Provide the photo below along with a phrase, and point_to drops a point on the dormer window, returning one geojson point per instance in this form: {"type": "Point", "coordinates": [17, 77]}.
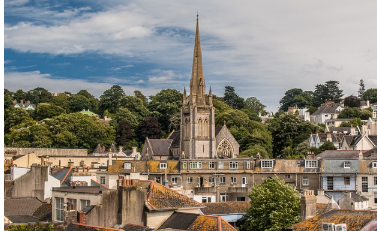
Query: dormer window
{"type": "Point", "coordinates": [347, 164]}
{"type": "Point", "coordinates": [127, 165]}
{"type": "Point", "coordinates": [267, 163]}
{"type": "Point", "coordinates": [163, 165]}
{"type": "Point", "coordinates": [374, 164]}
{"type": "Point", "coordinates": [311, 163]}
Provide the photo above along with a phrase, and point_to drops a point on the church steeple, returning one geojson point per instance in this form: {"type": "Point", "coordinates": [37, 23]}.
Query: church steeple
{"type": "Point", "coordinates": [197, 84]}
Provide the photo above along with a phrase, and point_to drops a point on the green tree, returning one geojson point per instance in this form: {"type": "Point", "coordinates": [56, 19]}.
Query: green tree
{"type": "Point", "coordinates": [351, 101]}
{"type": "Point", "coordinates": [38, 95]}
{"type": "Point", "coordinates": [61, 100]}
{"type": "Point", "coordinates": [296, 96]}
{"type": "Point", "coordinates": [14, 117]}
{"type": "Point", "coordinates": [110, 99]}
{"type": "Point", "coordinates": [19, 95]}
{"type": "Point", "coordinates": [150, 128]}
{"type": "Point", "coordinates": [232, 98]}
{"type": "Point", "coordinates": [289, 131]}
{"type": "Point", "coordinates": [125, 115]}
{"type": "Point", "coordinates": [46, 110]}
{"type": "Point", "coordinates": [353, 112]}
{"type": "Point", "coordinates": [136, 106]}
{"type": "Point", "coordinates": [123, 133]}
{"type": "Point", "coordinates": [36, 135]}
{"type": "Point", "coordinates": [254, 105]}
{"type": "Point", "coordinates": [361, 89]}
{"type": "Point", "coordinates": [8, 104]}
{"type": "Point", "coordinates": [78, 103]}
{"type": "Point", "coordinates": [142, 97]}
{"type": "Point", "coordinates": [85, 93]}
{"type": "Point", "coordinates": [92, 100]}
{"type": "Point", "coordinates": [327, 145]}
{"type": "Point", "coordinates": [327, 92]}
{"type": "Point", "coordinates": [371, 95]}
{"type": "Point", "coordinates": [274, 206]}
{"type": "Point", "coordinates": [164, 104]}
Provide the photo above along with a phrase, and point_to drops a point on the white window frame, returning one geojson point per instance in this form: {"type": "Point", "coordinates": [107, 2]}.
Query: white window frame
{"type": "Point", "coordinates": [163, 165]}
{"type": "Point", "coordinates": [311, 163]}
{"type": "Point", "coordinates": [244, 180]}
{"type": "Point", "coordinates": [222, 180]}
{"type": "Point", "coordinates": [206, 199]}
{"type": "Point", "coordinates": [102, 179]}
{"type": "Point", "coordinates": [127, 165]}
{"type": "Point", "coordinates": [305, 181]}
{"type": "Point", "coordinates": [59, 209]}
{"type": "Point", "coordinates": [189, 180]}
{"type": "Point", "coordinates": [195, 165]}
{"type": "Point", "coordinates": [248, 164]}
{"type": "Point", "coordinates": [287, 176]}
{"type": "Point", "coordinates": [374, 164]}
{"type": "Point", "coordinates": [347, 164]}
{"type": "Point", "coordinates": [184, 165]}
{"type": "Point", "coordinates": [233, 180]}
{"type": "Point", "coordinates": [174, 180]}
{"type": "Point", "coordinates": [233, 165]}
{"type": "Point", "coordinates": [86, 202]}
{"type": "Point", "coordinates": [72, 202]}
{"type": "Point", "coordinates": [267, 164]}
{"type": "Point", "coordinates": [211, 180]}
{"type": "Point", "coordinates": [211, 165]}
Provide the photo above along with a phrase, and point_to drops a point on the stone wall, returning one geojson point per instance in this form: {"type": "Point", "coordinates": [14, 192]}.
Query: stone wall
{"type": "Point", "coordinates": [49, 151]}
{"type": "Point", "coordinates": [31, 184]}
{"type": "Point", "coordinates": [132, 204]}
{"type": "Point", "coordinates": [106, 214]}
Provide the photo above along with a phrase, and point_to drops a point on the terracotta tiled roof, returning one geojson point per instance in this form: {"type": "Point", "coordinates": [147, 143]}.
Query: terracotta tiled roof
{"type": "Point", "coordinates": [85, 227]}
{"type": "Point", "coordinates": [354, 219]}
{"type": "Point", "coordinates": [320, 208]}
{"type": "Point", "coordinates": [163, 198]}
{"type": "Point", "coordinates": [193, 222]}
{"type": "Point", "coordinates": [210, 223]}
{"type": "Point", "coordinates": [228, 207]}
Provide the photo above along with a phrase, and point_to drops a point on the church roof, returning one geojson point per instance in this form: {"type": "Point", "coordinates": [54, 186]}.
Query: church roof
{"type": "Point", "coordinates": [176, 137]}
{"type": "Point", "coordinates": [160, 147]}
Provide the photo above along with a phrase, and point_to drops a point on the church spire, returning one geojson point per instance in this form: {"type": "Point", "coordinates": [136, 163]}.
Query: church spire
{"type": "Point", "coordinates": [197, 84]}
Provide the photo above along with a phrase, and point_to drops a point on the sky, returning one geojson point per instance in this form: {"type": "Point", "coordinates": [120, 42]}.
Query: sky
{"type": "Point", "coordinates": [262, 48]}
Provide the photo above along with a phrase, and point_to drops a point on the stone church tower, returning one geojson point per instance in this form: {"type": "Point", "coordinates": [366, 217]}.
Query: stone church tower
{"type": "Point", "coordinates": [197, 114]}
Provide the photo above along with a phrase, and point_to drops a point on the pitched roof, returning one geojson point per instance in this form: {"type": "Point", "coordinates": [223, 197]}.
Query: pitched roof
{"type": "Point", "coordinates": [373, 138]}
{"type": "Point", "coordinates": [85, 227]}
{"type": "Point", "coordinates": [179, 220]}
{"type": "Point", "coordinates": [163, 198]}
{"type": "Point", "coordinates": [358, 198]}
{"type": "Point", "coordinates": [354, 219]}
{"type": "Point", "coordinates": [339, 154]}
{"type": "Point", "coordinates": [160, 147]}
{"type": "Point", "coordinates": [80, 189]}
{"type": "Point", "coordinates": [132, 227]}
{"type": "Point", "coordinates": [327, 108]}
{"type": "Point", "coordinates": [176, 137]}
{"type": "Point", "coordinates": [21, 206]}
{"type": "Point", "coordinates": [228, 207]}
{"type": "Point", "coordinates": [23, 210]}
{"type": "Point", "coordinates": [63, 175]}
{"type": "Point", "coordinates": [95, 183]}
{"type": "Point", "coordinates": [192, 222]}
{"type": "Point", "coordinates": [345, 130]}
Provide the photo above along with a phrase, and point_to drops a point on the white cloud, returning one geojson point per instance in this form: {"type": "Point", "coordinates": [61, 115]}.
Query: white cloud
{"type": "Point", "coordinates": [30, 80]}
{"type": "Point", "coordinates": [263, 48]}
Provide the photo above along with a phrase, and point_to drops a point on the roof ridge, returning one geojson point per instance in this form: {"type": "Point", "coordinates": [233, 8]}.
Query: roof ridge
{"type": "Point", "coordinates": [100, 184]}
{"type": "Point", "coordinates": [61, 182]}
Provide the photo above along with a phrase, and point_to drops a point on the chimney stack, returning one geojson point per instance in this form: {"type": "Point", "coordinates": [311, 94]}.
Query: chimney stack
{"type": "Point", "coordinates": [308, 205]}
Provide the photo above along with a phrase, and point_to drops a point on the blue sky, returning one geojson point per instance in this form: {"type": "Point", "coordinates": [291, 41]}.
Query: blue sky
{"type": "Point", "coordinates": [262, 48]}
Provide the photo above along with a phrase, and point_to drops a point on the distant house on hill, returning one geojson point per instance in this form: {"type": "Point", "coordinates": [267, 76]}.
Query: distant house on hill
{"type": "Point", "coordinates": [26, 106]}
{"type": "Point", "coordinates": [328, 110]}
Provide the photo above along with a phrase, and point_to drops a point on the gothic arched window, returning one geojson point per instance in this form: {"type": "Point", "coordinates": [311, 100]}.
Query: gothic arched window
{"type": "Point", "coordinates": [206, 128]}
{"type": "Point", "coordinates": [187, 127]}
{"type": "Point", "coordinates": [225, 149]}
{"type": "Point", "coordinates": [200, 127]}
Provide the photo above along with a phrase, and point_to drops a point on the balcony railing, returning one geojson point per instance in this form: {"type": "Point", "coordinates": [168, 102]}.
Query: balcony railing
{"type": "Point", "coordinates": [237, 189]}
{"type": "Point", "coordinates": [204, 190]}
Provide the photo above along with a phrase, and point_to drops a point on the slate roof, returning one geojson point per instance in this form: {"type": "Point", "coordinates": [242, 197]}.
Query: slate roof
{"type": "Point", "coordinates": [85, 227]}
{"type": "Point", "coordinates": [345, 130]}
{"type": "Point", "coordinates": [358, 198]}
{"type": "Point", "coordinates": [181, 221]}
{"type": "Point", "coordinates": [373, 138]}
{"type": "Point", "coordinates": [217, 130]}
{"type": "Point", "coordinates": [193, 222]}
{"type": "Point", "coordinates": [370, 152]}
{"type": "Point", "coordinates": [327, 108]}
{"type": "Point", "coordinates": [95, 183]}
{"type": "Point", "coordinates": [163, 198]}
{"type": "Point", "coordinates": [176, 137]}
{"type": "Point", "coordinates": [63, 176]}
{"type": "Point", "coordinates": [339, 154]}
{"type": "Point", "coordinates": [228, 207]}
{"type": "Point", "coordinates": [80, 189]}
{"type": "Point", "coordinates": [354, 219]}
{"type": "Point", "coordinates": [23, 210]}
{"type": "Point", "coordinates": [160, 147]}
{"type": "Point", "coordinates": [335, 137]}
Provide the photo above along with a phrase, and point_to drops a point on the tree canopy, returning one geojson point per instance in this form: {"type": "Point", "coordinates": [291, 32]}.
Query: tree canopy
{"type": "Point", "coordinates": [274, 206]}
